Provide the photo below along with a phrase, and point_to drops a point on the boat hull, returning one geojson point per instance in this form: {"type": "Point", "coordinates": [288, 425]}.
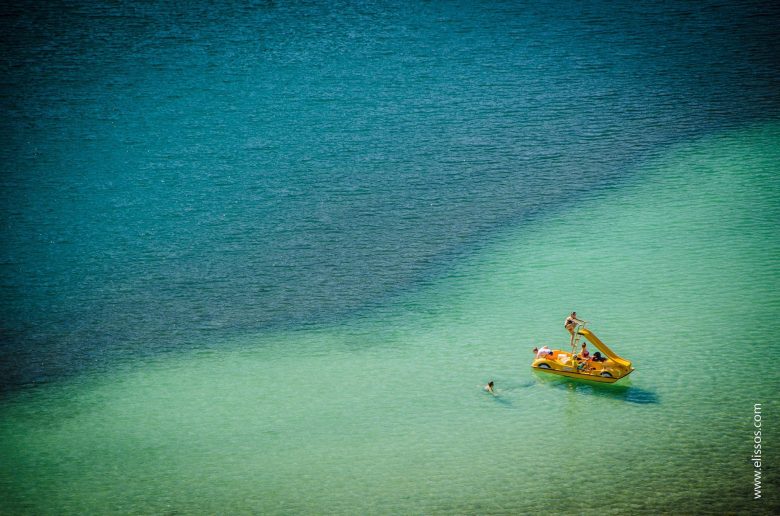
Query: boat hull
{"type": "Point", "coordinates": [580, 376]}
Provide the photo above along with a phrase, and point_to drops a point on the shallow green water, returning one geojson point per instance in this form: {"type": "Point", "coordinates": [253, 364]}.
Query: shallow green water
{"type": "Point", "coordinates": [385, 412]}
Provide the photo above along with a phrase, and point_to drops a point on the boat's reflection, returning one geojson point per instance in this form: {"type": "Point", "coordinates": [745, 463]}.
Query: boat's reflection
{"type": "Point", "coordinates": [620, 391]}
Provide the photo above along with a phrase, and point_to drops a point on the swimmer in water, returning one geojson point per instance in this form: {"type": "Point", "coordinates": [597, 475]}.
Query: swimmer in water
{"type": "Point", "coordinates": [489, 388]}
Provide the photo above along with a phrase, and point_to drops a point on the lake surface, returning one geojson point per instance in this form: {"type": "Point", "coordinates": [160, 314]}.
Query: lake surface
{"type": "Point", "coordinates": [262, 258]}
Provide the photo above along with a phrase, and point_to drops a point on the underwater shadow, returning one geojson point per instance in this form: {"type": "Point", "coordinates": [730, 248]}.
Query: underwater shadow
{"type": "Point", "coordinates": [501, 400]}
{"type": "Point", "coordinates": [622, 392]}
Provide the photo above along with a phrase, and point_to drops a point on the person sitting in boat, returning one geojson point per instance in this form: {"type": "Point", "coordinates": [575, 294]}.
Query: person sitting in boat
{"type": "Point", "coordinates": [579, 363]}
{"type": "Point", "coordinates": [597, 357]}
{"type": "Point", "coordinates": [571, 324]}
{"type": "Point", "coordinates": [544, 352]}
{"type": "Point", "coordinates": [584, 353]}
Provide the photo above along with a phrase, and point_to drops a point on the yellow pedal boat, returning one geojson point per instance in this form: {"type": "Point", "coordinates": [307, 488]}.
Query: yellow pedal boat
{"type": "Point", "coordinates": [610, 370]}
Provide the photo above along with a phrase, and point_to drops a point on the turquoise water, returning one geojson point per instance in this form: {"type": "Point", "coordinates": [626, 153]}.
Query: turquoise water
{"type": "Point", "coordinates": [263, 258]}
{"type": "Point", "coordinates": [385, 413]}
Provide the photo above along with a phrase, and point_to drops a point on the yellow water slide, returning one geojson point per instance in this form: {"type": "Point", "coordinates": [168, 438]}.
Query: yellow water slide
{"type": "Point", "coordinates": [604, 348]}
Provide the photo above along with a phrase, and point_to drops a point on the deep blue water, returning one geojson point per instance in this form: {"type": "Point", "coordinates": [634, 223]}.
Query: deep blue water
{"type": "Point", "coordinates": [174, 174]}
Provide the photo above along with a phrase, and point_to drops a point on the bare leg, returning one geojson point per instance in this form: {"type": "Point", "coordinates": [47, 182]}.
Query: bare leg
{"type": "Point", "coordinates": [571, 332]}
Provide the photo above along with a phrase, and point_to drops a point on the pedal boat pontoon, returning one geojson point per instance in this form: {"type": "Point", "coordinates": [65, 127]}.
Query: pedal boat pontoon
{"type": "Point", "coordinates": [560, 362]}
